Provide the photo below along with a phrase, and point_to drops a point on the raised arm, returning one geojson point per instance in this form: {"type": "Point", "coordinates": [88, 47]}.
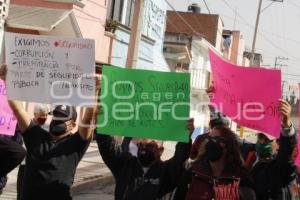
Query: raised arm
{"type": "Point", "coordinates": [109, 151]}
{"type": "Point", "coordinates": [288, 139]}
{"type": "Point", "coordinates": [88, 121]}
{"type": "Point", "coordinates": [175, 166]}
{"type": "Point", "coordinates": [16, 106]}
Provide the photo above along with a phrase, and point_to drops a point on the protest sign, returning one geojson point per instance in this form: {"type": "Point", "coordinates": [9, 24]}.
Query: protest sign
{"type": "Point", "coordinates": [248, 95]}
{"type": "Point", "coordinates": [7, 119]}
{"type": "Point", "coordinates": [50, 69]}
{"type": "Point", "coordinates": [144, 104]}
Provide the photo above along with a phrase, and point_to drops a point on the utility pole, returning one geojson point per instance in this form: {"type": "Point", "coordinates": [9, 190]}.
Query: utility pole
{"type": "Point", "coordinates": [255, 33]}
{"type": "Point", "coordinates": [282, 88]}
{"type": "Point", "coordinates": [256, 28]}
{"type": "Point", "coordinates": [277, 58]}
{"type": "Point", "coordinates": [136, 34]}
{"type": "Point", "coordinates": [235, 14]}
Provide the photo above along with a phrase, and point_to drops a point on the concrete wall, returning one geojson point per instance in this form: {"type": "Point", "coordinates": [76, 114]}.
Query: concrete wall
{"type": "Point", "coordinates": [42, 3]}
{"type": "Point", "coordinates": [237, 48]}
{"type": "Point", "coordinates": [150, 54]}
{"type": "Point", "coordinates": [219, 37]}
{"type": "Point", "coordinates": [91, 20]}
{"type": "Point", "coordinates": [154, 26]}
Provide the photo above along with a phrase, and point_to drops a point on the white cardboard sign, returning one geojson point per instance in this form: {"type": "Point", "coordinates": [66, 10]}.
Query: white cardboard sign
{"type": "Point", "coordinates": [50, 69]}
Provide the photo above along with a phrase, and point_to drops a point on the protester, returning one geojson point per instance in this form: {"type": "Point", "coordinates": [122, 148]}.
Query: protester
{"type": "Point", "coordinates": [130, 145]}
{"type": "Point", "coordinates": [274, 175]}
{"type": "Point", "coordinates": [145, 177]}
{"type": "Point", "coordinates": [218, 168]}
{"type": "Point", "coordinates": [40, 114]}
{"type": "Point", "coordinates": [216, 119]}
{"type": "Point", "coordinates": [11, 155]}
{"type": "Point", "coordinates": [52, 156]}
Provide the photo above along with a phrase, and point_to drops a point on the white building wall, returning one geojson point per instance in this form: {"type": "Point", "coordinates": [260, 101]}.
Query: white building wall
{"type": "Point", "coordinates": [219, 34]}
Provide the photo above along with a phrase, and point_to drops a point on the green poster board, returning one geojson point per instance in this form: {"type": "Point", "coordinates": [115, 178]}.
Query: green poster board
{"type": "Point", "coordinates": [144, 104]}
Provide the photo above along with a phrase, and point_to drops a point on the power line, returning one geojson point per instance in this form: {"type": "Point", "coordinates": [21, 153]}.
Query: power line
{"type": "Point", "coordinates": [263, 36]}
{"type": "Point", "coordinates": [171, 6]}
{"type": "Point", "coordinates": [91, 20]}
{"type": "Point", "coordinates": [87, 14]}
{"type": "Point", "coordinates": [179, 14]}
{"type": "Point", "coordinates": [265, 8]}
{"type": "Point", "coordinates": [262, 30]}
{"type": "Point", "coordinates": [207, 6]}
{"type": "Point", "coordinates": [195, 31]}
{"type": "Point", "coordinates": [96, 3]}
{"type": "Point", "coordinates": [296, 5]}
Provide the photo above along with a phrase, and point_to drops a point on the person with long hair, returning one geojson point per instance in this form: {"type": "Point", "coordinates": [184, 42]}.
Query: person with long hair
{"type": "Point", "coordinates": [218, 170]}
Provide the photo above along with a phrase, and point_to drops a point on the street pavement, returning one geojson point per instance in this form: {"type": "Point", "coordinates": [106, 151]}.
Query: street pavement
{"type": "Point", "coordinates": [105, 192]}
{"type": "Point", "coordinates": [91, 171]}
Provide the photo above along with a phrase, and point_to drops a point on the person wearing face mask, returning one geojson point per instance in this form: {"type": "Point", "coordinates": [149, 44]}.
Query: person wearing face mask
{"type": "Point", "coordinates": [216, 119]}
{"type": "Point", "coordinates": [52, 156]}
{"type": "Point", "coordinates": [274, 174]}
{"type": "Point", "coordinates": [40, 115]}
{"type": "Point", "coordinates": [217, 171]}
{"type": "Point", "coordinates": [145, 176]}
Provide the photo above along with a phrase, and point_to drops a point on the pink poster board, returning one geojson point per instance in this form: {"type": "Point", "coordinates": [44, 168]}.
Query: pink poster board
{"type": "Point", "coordinates": [248, 95]}
{"type": "Point", "coordinates": [7, 119]}
{"type": "Point", "coordinates": [297, 161]}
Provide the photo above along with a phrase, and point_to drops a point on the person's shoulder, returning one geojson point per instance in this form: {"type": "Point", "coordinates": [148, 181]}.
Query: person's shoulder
{"type": "Point", "coordinates": [75, 137]}
{"type": "Point", "coordinates": [34, 129]}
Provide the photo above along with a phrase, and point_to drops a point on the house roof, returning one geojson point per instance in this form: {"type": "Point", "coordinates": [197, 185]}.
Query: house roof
{"type": "Point", "coordinates": [35, 18]}
{"type": "Point", "coordinates": [205, 25]}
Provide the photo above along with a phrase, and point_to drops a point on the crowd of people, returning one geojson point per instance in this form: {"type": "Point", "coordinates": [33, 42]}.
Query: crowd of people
{"type": "Point", "coordinates": [217, 165]}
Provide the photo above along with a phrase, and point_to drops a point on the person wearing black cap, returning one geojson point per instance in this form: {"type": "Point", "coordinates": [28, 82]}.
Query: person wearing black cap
{"type": "Point", "coordinates": [52, 156]}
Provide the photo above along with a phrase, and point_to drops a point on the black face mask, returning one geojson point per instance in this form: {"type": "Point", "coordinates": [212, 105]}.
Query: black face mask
{"type": "Point", "coordinates": [145, 157]}
{"type": "Point", "coordinates": [57, 128]}
{"type": "Point", "coordinates": [213, 150]}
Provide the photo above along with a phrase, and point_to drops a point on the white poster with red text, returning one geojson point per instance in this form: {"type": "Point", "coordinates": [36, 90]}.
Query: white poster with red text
{"type": "Point", "coordinates": [50, 70]}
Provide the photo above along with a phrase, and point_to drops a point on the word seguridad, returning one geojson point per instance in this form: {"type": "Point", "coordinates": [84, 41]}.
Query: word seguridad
{"type": "Point", "coordinates": [37, 66]}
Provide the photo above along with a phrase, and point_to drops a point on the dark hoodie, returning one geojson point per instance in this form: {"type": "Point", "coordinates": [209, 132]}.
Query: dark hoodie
{"type": "Point", "coordinates": [275, 177]}
{"type": "Point", "coordinates": [131, 181]}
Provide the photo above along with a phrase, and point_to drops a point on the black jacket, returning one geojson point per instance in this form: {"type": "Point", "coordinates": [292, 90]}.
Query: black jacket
{"type": "Point", "coordinates": [131, 182]}
{"type": "Point", "coordinates": [275, 177]}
